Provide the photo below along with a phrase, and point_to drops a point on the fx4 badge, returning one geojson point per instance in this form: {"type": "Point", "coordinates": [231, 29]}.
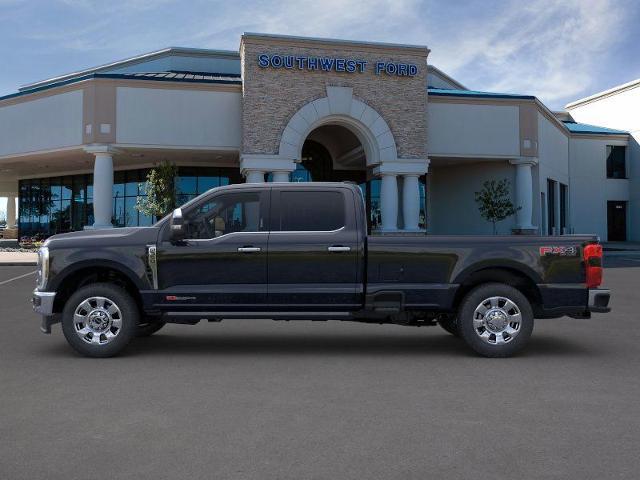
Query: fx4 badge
{"type": "Point", "coordinates": [561, 251]}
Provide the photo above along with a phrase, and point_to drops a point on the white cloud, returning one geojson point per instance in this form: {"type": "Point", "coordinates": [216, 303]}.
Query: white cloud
{"type": "Point", "coordinates": [547, 48]}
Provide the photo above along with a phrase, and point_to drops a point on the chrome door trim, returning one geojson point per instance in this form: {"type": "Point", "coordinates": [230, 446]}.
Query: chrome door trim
{"type": "Point", "coordinates": [249, 249]}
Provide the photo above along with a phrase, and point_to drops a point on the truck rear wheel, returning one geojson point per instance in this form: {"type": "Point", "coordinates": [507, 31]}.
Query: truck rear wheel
{"type": "Point", "coordinates": [495, 320]}
{"type": "Point", "coordinates": [99, 320]}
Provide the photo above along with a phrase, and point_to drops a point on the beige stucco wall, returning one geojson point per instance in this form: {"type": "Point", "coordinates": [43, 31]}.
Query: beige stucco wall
{"type": "Point", "coordinates": [590, 189]}
{"type": "Point", "coordinates": [460, 129]}
{"type": "Point", "coordinates": [45, 123]}
{"type": "Point", "coordinates": [272, 96]}
{"type": "Point", "coordinates": [451, 197]}
{"type": "Point", "coordinates": [178, 117]}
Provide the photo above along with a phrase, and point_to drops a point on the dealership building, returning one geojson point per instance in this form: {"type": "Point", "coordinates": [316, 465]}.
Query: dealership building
{"type": "Point", "coordinates": [75, 149]}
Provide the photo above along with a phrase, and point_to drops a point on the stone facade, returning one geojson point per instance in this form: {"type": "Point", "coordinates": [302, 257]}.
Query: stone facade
{"type": "Point", "coordinates": [272, 96]}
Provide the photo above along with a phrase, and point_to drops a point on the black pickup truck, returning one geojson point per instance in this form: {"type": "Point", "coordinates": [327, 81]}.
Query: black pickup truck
{"type": "Point", "coordinates": [301, 252]}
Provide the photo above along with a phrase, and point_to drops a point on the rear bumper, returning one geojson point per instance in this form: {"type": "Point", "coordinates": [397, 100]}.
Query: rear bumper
{"type": "Point", "coordinates": [573, 300]}
{"type": "Point", "coordinates": [599, 300]}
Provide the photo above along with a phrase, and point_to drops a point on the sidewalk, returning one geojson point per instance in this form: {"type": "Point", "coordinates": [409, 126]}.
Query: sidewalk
{"type": "Point", "coordinates": [621, 246]}
{"type": "Point", "coordinates": [18, 258]}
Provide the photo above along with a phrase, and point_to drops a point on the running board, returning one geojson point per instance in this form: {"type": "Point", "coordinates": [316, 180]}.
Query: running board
{"type": "Point", "coordinates": [194, 317]}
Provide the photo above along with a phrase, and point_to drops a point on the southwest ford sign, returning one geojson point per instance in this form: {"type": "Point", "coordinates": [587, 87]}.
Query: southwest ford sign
{"type": "Point", "coordinates": [334, 64]}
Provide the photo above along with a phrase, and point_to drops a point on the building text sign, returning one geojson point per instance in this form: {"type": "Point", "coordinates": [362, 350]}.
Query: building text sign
{"type": "Point", "coordinates": [335, 64]}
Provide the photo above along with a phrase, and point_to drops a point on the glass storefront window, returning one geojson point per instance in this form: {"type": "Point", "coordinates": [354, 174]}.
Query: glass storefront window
{"type": "Point", "coordinates": [131, 214]}
{"type": "Point", "coordinates": [118, 212]}
{"type": "Point", "coordinates": [61, 204]}
{"type": "Point", "coordinates": [67, 189]}
{"type": "Point", "coordinates": [207, 183]}
{"type": "Point", "coordinates": [186, 185]}
{"type": "Point", "coordinates": [54, 205]}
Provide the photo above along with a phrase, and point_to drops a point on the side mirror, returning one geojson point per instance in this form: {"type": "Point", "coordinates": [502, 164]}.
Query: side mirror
{"type": "Point", "coordinates": [177, 230]}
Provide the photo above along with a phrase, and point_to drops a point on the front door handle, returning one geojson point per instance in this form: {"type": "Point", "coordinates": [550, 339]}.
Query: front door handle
{"type": "Point", "coordinates": [339, 248]}
{"type": "Point", "coordinates": [248, 249]}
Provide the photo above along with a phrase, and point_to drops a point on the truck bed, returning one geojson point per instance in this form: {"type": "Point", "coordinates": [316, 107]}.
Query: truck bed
{"type": "Point", "coordinates": [430, 269]}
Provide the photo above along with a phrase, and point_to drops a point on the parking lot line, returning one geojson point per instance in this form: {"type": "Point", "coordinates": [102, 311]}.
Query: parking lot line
{"type": "Point", "coordinates": [18, 277]}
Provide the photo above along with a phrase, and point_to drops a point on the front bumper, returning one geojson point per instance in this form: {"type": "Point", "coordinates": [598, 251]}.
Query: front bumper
{"type": "Point", "coordinates": [42, 303]}
{"type": "Point", "coordinates": [599, 300]}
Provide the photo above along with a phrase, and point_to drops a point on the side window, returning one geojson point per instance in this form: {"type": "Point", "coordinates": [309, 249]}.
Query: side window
{"type": "Point", "coordinates": [616, 167]}
{"type": "Point", "coordinates": [224, 214]}
{"type": "Point", "coordinates": [311, 211]}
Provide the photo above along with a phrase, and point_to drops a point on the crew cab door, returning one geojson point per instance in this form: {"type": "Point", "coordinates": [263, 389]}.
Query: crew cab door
{"type": "Point", "coordinates": [222, 263]}
{"type": "Point", "coordinates": [313, 250]}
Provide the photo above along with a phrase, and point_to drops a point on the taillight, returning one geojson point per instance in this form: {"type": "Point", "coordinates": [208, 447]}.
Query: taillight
{"type": "Point", "coordinates": [593, 265]}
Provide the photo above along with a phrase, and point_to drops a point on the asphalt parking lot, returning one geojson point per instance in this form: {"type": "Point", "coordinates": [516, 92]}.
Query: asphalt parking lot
{"type": "Point", "coordinates": [323, 400]}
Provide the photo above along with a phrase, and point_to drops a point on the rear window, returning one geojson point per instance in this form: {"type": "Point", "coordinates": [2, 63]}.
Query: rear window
{"type": "Point", "coordinates": [310, 211]}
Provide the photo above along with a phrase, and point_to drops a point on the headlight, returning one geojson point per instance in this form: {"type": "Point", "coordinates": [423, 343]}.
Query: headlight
{"type": "Point", "coordinates": [43, 267]}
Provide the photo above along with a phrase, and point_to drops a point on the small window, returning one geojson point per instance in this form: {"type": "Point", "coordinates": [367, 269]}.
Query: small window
{"type": "Point", "coordinates": [616, 164]}
{"type": "Point", "coordinates": [224, 214]}
{"type": "Point", "coordinates": [311, 211]}
{"type": "Point", "coordinates": [551, 206]}
{"type": "Point", "coordinates": [564, 204]}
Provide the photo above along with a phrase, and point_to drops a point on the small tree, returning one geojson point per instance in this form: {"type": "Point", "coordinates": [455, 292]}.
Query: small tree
{"type": "Point", "coordinates": [160, 190]}
{"type": "Point", "coordinates": [494, 202]}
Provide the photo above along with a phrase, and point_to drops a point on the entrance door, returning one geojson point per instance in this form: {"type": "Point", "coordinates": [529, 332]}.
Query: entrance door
{"type": "Point", "coordinates": [617, 221]}
{"type": "Point", "coordinates": [222, 264]}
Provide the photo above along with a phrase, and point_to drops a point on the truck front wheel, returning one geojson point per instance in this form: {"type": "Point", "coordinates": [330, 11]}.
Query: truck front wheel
{"type": "Point", "coordinates": [99, 320]}
{"type": "Point", "coordinates": [495, 320]}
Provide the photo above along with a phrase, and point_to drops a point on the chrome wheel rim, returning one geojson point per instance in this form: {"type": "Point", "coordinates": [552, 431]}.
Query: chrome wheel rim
{"type": "Point", "coordinates": [497, 320]}
{"type": "Point", "coordinates": [97, 320]}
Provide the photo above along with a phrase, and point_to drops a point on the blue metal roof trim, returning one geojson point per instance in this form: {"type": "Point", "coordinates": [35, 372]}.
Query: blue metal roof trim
{"type": "Point", "coordinates": [585, 128]}
{"type": "Point", "coordinates": [444, 92]}
{"type": "Point", "coordinates": [226, 79]}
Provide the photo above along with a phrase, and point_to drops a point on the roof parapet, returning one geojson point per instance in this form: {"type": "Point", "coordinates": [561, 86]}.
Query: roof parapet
{"type": "Point", "coordinates": [133, 61]}
{"type": "Point", "coordinates": [605, 93]}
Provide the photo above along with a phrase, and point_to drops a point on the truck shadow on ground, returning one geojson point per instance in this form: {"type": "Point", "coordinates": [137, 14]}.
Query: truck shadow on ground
{"type": "Point", "coordinates": [277, 345]}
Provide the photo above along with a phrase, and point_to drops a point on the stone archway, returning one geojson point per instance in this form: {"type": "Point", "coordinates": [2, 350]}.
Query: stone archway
{"type": "Point", "coordinates": [339, 107]}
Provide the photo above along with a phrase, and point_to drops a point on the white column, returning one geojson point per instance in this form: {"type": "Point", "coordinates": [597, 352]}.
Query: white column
{"type": "Point", "coordinates": [280, 176]}
{"type": "Point", "coordinates": [11, 212]}
{"type": "Point", "coordinates": [524, 193]}
{"type": "Point", "coordinates": [254, 165]}
{"type": "Point", "coordinates": [102, 184]}
{"type": "Point", "coordinates": [389, 202]}
{"type": "Point", "coordinates": [410, 202]}
{"type": "Point", "coordinates": [103, 190]}
{"type": "Point", "coordinates": [254, 176]}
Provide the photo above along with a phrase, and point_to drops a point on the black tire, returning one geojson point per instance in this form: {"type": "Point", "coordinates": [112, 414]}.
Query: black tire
{"type": "Point", "coordinates": [148, 327]}
{"type": "Point", "coordinates": [128, 316]}
{"type": "Point", "coordinates": [450, 324]}
{"type": "Point", "coordinates": [512, 343]}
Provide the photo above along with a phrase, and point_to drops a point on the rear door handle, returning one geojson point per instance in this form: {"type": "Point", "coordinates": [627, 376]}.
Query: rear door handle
{"type": "Point", "coordinates": [339, 248]}
{"type": "Point", "coordinates": [248, 249]}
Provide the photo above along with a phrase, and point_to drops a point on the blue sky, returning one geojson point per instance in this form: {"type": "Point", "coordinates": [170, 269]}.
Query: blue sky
{"type": "Point", "coordinates": [557, 50]}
